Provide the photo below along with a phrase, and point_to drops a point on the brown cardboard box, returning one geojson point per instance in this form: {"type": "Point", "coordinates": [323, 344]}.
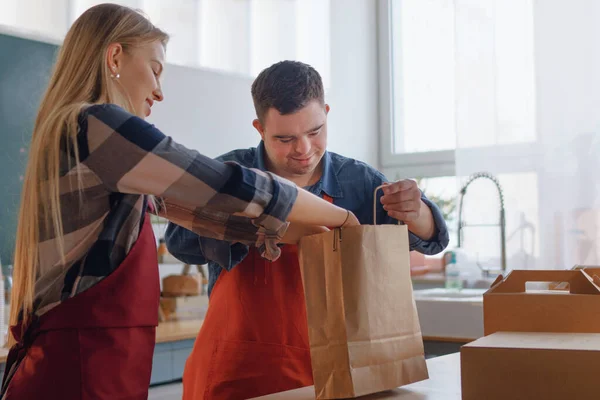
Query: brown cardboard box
{"type": "Point", "coordinates": [593, 272]}
{"type": "Point", "coordinates": [508, 306]}
{"type": "Point", "coordinates": [531, 366]}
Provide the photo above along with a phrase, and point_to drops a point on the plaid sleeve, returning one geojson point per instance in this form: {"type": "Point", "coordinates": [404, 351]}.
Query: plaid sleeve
{"type": "Point", "coordinates": [220, 200]}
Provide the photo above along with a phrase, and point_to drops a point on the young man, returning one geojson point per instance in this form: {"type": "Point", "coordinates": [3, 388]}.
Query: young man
{"type": "Point", "coordinates": [254, 339]}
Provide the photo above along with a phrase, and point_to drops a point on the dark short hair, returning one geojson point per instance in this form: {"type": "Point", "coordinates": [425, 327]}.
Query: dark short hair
{"type": "Point", "coordinates": [288, 86]}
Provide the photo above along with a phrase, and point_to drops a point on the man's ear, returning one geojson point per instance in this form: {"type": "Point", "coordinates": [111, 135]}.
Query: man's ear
{"type": "Point", "coordinates": [327, 108]}
{"type": "Point", "coordinates": [259, 127]}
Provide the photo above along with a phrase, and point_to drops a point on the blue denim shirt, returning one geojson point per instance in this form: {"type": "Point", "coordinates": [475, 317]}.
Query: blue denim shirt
{"type": "Point", "coordinates": [349, 182]}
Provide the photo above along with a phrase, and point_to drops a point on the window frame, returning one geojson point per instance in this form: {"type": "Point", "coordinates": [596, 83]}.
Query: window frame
{"type": "Point", "coordinates": [523, 157]}
{"type": "Point", "coordinates": [423, 164]}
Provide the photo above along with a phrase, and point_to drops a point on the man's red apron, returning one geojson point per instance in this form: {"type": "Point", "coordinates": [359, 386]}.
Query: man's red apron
{"type": "Point", "coordinates": [98, 344]}
{"type": "Point", "coordinates": [254, 338]}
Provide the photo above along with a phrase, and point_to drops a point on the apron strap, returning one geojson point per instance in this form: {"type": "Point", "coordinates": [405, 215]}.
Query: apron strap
{"type": "Point", "coordinates": [18, 351]}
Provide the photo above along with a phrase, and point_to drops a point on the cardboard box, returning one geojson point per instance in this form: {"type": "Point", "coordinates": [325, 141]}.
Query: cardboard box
{"type": "Point", "coordinates": [592, 271]}
{"type": "Point", "coordinates": [509, 307]}
{"type": "Point", "coordinates": [531, 366]}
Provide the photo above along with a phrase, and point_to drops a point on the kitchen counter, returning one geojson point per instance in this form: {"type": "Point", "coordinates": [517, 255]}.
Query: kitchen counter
{"type": "Point", "coordinates": [172, 331]}
{"type": "Point", "coordinates": [438, 280]}
{"type": "Point", "coordinates": [447, 315]}
{"type": "Point", "coordinates": [436, 277]}
{"type": "Point", "coordinates": [174, 343]}
{"type": "Point", "coordinates": [443, 384]}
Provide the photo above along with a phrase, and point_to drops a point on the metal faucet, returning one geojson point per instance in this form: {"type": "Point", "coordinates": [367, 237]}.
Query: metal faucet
{"type": "Point", "coordinates": [501, 224]}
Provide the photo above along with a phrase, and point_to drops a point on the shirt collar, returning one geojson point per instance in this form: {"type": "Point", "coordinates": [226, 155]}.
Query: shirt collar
{"type": "Point", "coordinates": [329, 181]}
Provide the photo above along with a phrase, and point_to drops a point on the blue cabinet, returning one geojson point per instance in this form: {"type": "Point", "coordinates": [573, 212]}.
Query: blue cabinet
{"type": "Point", "coordinates": [169, 360]}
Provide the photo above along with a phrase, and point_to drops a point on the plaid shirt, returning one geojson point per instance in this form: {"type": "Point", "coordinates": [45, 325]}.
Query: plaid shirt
{"type": "Point", "coordinates": [122, 159]}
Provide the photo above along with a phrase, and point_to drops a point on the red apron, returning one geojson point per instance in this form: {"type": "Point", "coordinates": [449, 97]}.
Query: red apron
{"type": "Point", "coordinates": [98, 344]}
{"type": "Point", "coordinates": [254, 338]}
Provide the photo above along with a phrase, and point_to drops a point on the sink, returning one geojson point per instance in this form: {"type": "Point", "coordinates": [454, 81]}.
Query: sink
{"type": "Point", "coordinates": [436, 280]}
{"type": "Point", "coordinates": [479, 283]}
{"type": "Point", "coordinates": [450, 314]}
{"type": "Point", "coordinates": [442, 294]}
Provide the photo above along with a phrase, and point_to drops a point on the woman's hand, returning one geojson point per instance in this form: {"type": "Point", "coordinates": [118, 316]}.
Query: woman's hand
{"type": "Point", "coordinates": [297, 231]}
{"type": "Point", "coordinates": [351, 220]}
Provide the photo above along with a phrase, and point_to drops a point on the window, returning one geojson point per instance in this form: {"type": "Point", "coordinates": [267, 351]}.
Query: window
{"type": "Point", "coordinates": [423, 75]}
{"type": "Point", "coordinates": [236, 36]}
{"type": "Point", "coordinates": [458, 74]}
{"type": "Point", "coordinates": [481, 215]}
{"type": "Point", "coordinates": [457, 98]}
{"type": "Point", "coordinates": [443, 192]}
{"type": "Point", "coordinates": [40, 17]}
{"type": "Point", "coordinates": [224, 30]}
{"type": "Point", "coordinates": [77, 7]}
{"type": "Point", "coordinates": [179, 18]}
{"type": "Point", "coordinates": [302, 28]}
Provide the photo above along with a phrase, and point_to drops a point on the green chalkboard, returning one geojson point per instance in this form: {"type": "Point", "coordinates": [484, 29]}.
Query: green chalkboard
{"type": "Point", "coordinates": [25, 67]}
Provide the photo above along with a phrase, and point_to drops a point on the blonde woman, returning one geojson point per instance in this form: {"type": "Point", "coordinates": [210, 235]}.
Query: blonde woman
{"type": "Point", "coordinates": [86, 287]}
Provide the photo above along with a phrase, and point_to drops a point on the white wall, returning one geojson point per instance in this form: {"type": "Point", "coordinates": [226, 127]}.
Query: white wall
{"type": "Point", "coordinates": [206, 110]}
{"type": "Point", "coordinates": [354, 120]}
{"type": "Point", "coordinates": [212, 111]}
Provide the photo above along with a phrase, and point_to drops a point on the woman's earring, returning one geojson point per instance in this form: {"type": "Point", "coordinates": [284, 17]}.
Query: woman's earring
{"type": "Point", "coordinates": [114, 74]}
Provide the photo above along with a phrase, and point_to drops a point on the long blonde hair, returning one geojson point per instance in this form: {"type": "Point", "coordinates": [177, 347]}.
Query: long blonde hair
{"type": "Point", "coordinates": [81, 77]}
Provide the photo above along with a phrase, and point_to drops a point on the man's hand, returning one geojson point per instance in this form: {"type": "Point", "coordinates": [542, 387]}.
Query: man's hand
{"type": "Point", "coordinates": [402, 201]}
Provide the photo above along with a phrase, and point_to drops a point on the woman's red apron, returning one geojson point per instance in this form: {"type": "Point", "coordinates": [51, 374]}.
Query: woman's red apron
{"type": "Point", "coordinates": [254, 338]}
{"type": "Point", "coordinates": [96, 345]}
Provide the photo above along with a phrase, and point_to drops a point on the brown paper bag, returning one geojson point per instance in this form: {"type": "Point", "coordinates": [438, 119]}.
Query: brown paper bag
{"type": "Point", "coordinates": [363, 326]}
{"type": "Point", "coordinates": [508, 306]}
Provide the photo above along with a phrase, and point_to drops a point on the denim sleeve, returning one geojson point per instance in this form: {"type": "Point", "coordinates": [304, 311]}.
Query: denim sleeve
{"type": "Point", "coordinates": [190, 248]}
{"type": "Point", "coordinates": [184, 245]}
{"type": "Point", "coordinates": [440, 238]}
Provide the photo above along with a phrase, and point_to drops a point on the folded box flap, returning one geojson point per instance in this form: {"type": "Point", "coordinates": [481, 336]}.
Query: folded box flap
{"type": "Point", "coordinates": [579, 282]}
{"type": "Point", "coordinates": [594, 272]}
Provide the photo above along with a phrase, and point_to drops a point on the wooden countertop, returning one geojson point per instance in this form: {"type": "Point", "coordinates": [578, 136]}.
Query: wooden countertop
{"type": "Point", "coordinates": [170, 331]}
{"type": "Point", "coordinates": [443, 384]}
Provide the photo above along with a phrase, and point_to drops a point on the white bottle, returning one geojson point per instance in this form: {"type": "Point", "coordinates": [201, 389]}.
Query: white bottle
{"type": "Point", "coordinates": [453, 279]}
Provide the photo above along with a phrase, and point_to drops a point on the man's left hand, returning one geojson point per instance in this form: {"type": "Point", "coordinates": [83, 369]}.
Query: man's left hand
{"type": "Point", "coordinates": [402, 200]}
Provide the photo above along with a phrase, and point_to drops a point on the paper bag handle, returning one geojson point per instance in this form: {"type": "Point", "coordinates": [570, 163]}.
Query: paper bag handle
{"type": "Point", "coordinates": [579, 283]}
{"type": "Point", "coordinates": [375, 205]}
